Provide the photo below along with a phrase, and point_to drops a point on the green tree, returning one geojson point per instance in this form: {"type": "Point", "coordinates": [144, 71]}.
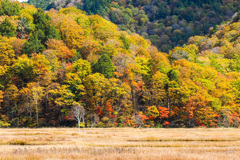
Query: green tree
{"type": "Point", "coordinates": [7, 28]}
{"type": "Point", "coordinates": [104, 66]}
{"type": "Point", "coordinates": [25, 69]}
{"type": "Point", "coordinates": [43, 25]}
{"type": "Point", "coordinates": [8, 8]}
{"type": "Point", "coordinates": [34, 44]}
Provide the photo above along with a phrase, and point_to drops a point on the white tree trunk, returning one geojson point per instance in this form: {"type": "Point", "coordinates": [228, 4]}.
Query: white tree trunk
{"type": "Point", "coordinates": [78, 125]}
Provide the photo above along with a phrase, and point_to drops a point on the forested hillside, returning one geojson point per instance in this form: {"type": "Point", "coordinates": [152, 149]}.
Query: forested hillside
{"type": "Point", "coordinates": [56, 64]}
{"type": "Point", "coordinates": [167, 23]}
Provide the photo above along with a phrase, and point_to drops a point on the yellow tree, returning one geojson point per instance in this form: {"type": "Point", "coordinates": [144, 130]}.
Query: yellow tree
{"type": "Point", "coordinates": [101, 28]}
{"type": "Point", "coordinates": [75, 76]}
{"type": "Point", "coordinates": [157, 89]}
{"type": "Point", "coordinates": [25, 102]}
{"type": "Point", "coordinates": [62, 51]}
{"type": "Point", "coordinates": [97, 89]}
{"type": "Point", "coordinates": [25, 70]}
{"type": "Point", "coordinates": [71, 33]}
{"type": "Point", "coordinates": [43, 69]}
{"type": "Point", "coordinates": [7, 53]}
{"type": "Point", "coordinates": [37, 93]}
{"type": "Point", "coordinates": [31, 98]}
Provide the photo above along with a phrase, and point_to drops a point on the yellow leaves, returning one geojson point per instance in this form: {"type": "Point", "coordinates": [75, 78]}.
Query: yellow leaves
{"type": "Point", "coordinates": [138, 40]}
{"type": "Point", "coordinates": [189, 52]}
{"type": "Point", "coordinates": [18, 44]}
{"type": "Point", "coordinates": [229, 35]}
{"type": "Point", "coordinates": [97, 87]}
{"type": "Point", "coordinates": [159, 81]}
{"type": "Point", "coordinates": [25, 91]}
{"type": "Point", "coordinates": [209, 43]}
{"type": "Point", "coordinates": [89, 49]}
{"type": "Point", "coordinates": [184, 67]}
{"type": "Point", "coordinates": [143, 65]}
{"type": "Point", "coordinates": [6, 51]}
{"type": "Point", "coordinates": [27, 13]}
{"type": "Point", "coordinates": [82, 68]}
{"type": "Point", "coordinates": [35, 91]}
{"type": "Point", "coordinates": [43, 65]}
{"type": "Point", "coordinates": [112, 47]}
{"type": "Point", "coordinates": [64, 97]}
{"type": "Point", "coordinates": [52, 57]}
{"type": "Point", "coordinates": [71, 33]}
{"type": "Point", "coordinates": [3, 70]}
{"type": "Point", "coordinates": [62, 51]}
{"type": "Point", "coordinates": [72, 12]}
{"type": "Point", "coordinates": [204, 60]}
{"type": "Point", "coordinates": [12, 92]}
{"type": "Point", "coordinates": [77, 73]}
{"type": "Point", "coordinates": [196, 40]}
{"type": "Point", "coordinates": [188, 88]}
{"type": "Point", "coordinates": [1, 96]}
{"type": "Point", "coordinates": [205, 83]}
{"type": "Point", "coordinates": [2, 18]}
{"type": "Point", "coordinates": [231, 51]}
{"type": "Point", "coordinates": [102, 29]}
{"type": "Point", "coordinates": [192, 49]}
{"type": "Point", "coordinates": [233, 75]}
{"type": "Point", "coordinates": [196, 102]}
{"type": "Point", "coordinates": [152, 112]}
{"type": "Point", "coordinates": [193, 70]}
{"type": "Point", "coordinates": [22, 62]}
{"type": "Point", "coordinates": [120, 89]}
{"type": "Point", "coordinates": [25, 69]}
{"type": "Point", "coordinates": [79, 16]}
{"type": "Point", "coordinates": [159, 62]}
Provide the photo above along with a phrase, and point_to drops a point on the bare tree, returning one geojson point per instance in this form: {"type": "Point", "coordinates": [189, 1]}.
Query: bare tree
{"type": "Point", "coordinates": [78, 112]}
{"type": "Point", "coordinates": [94, 120]}
{"type": "Point", "coordinates": [138, 120]}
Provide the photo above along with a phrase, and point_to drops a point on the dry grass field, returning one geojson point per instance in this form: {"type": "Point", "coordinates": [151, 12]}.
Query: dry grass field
{"type": "Point", "coordinates": [120, 143]}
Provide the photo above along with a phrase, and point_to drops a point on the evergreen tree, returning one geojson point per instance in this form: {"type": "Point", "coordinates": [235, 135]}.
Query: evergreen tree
{"type": "Point", "coordinates": [7, 28]}
{"type": "Point", "coordinates": [104, 66]}
{"type": "Point", "coordinates": [44, 4]}
{"type": "Point", "coordinates": [42, 23]}
{"type": "Point", "coordinates": [34, 44]}
{"type": "Point", "coordinates": [172, 75]}
{"type": "Point", "coordinates": [8, 8]}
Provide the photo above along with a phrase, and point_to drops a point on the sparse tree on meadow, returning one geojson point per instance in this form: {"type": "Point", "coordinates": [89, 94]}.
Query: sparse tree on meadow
{"type": "Point", "coordinates": [78, 112]}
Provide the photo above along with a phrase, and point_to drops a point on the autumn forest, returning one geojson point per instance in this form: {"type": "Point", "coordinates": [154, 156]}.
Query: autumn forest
{"type": "Point", "coordinates": [64, 63]}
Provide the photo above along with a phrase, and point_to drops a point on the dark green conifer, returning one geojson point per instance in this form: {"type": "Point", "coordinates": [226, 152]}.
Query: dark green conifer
{"type": "Point", "coordinates": [104, 66]}
{"type": "Point", "coordinates": [7, 28]}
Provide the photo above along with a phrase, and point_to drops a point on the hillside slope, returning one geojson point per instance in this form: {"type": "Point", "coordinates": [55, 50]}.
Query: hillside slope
{"type": "Point", "coordinates": [56, 63]}
{"type": "Point", "coordinates": [167, 23]}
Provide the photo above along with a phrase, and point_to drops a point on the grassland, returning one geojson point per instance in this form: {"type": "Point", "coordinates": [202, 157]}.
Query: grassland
{"type": "Point", "coordinates": [120, 143]}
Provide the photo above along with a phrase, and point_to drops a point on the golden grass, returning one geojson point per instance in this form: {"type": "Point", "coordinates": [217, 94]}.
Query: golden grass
{"type": "Point", "coordinates": [120, 144]}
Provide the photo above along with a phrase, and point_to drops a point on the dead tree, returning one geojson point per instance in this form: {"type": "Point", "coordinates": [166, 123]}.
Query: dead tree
{"type": "Point", "coordinates": [138, 120]}
{"type": "Point", "coordinates": [78, 112]}
{"type": "Point", "coordinates": [94, 120]}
